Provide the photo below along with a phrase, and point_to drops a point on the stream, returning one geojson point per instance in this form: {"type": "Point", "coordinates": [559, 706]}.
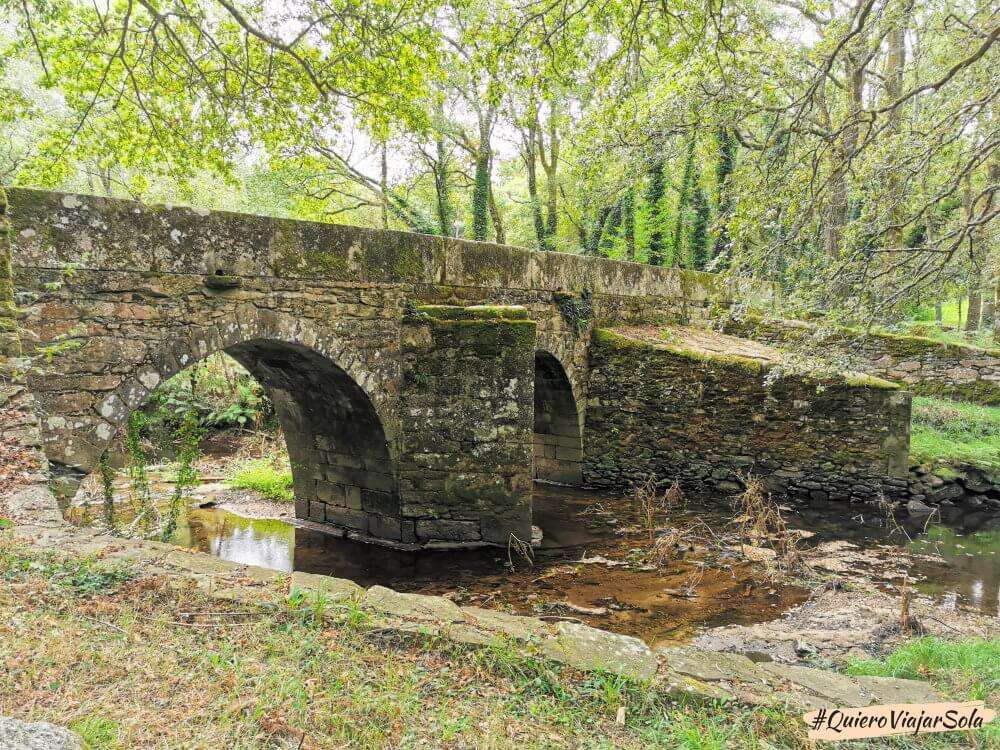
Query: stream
{"type": "Point", "coordinates": [594, 564]}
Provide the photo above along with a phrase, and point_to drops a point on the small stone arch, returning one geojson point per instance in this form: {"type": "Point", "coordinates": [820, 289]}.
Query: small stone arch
{"type": "Point", "coordinates": [334, 408]}
{"type": "Point", "coordinates": [558, 425]}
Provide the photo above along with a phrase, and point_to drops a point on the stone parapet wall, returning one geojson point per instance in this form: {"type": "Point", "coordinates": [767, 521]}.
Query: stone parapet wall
{"type": "Point", "coordinates": [58, 231]}
{"type": "Point", "coordinates": [924, 366]}
{"type": "Point", "coordinates": [707, 420]}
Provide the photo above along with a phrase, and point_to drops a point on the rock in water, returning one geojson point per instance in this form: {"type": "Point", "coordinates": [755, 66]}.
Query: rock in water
{"type": "Point", "coordinates": [20, 735]}
{"type": "Point", "coordinates": [917, 508]}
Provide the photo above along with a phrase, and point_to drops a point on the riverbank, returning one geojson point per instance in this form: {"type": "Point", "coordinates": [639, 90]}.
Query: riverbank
{"type": "Point", "coordinates": [147, 646]}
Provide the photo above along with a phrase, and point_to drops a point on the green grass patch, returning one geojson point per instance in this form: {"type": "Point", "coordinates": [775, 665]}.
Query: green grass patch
{"type": "Point", "coordinates": [955, 432]}
{"type": "Point", "coordinates": [266, 477]}
{"type": "Point", "coordinates": [962, 670]}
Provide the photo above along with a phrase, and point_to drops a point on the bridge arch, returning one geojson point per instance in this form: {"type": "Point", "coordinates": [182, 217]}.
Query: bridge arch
{"type": "Point", "coordinates": [336, 419]}
{"type": "Point", "coordinates": [558, 426]}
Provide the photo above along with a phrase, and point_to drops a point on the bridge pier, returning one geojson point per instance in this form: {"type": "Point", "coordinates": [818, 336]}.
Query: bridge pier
{"type": "Point", "coordinates": [467, 413]}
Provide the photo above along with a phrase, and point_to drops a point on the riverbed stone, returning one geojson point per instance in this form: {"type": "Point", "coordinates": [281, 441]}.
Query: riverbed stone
{"type": "Point", "coordinates": [38, 735]}
{"type": "Point", "coordinates": [412, 606]}
{"type": "Point", "coordinates": [709, 666]}
{"type": "Point", "coordinates": [584, 647]}
{"type": "Point", "coordinates": [34, 504]}
{"type": "Point", "coordinates": [328, 586]}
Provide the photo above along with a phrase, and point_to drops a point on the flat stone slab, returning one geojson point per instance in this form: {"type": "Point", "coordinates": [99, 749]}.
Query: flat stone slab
{"type": "Point", "coordinates": [328, 586]}
{"type": "Point", "coordinates": [413, 606]}
{"type": "Point", "coordinates": [588, 648]}
{"type": "Point", "coordinates": [886, 690]}
{"type": "Point", "coordinates": [38, 735]}
{"type": "Point", "coordinates": [710, 666]}
{"type": "Point", "coordinates": [838, 689]}
{"type": "Point", "coordinates": [191, 562]}
{"type": "Point", "coordinates": [515, 626]}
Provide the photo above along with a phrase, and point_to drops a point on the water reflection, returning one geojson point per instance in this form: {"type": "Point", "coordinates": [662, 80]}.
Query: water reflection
{"type": "Point", "coordinates": [642, 602]}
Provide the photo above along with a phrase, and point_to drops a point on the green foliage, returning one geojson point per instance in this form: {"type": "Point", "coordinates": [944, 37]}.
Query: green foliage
{"type": "Point", "coordinates": [653, 213]}
{"type": "Point", "coordinates": [699, 230]}
{"type": "Point", "coordinates": [217, 391]}
{"type": "Point", "coordinates": [80, 576]}
{"type": "Point", "coordinates": [186, 439]}
{"type": "Point", "coordinates": [97, 732]}
{"type": "Point", "coordinates": [265, 476]}
{"type": "Point", "coordinates": [955, 432]}
{"type": "Point", "coordinates": [480, 200]}
{"type": "Point", "coordinates": [142, 498]}
{"type": "Point", "coordinates": [106, 474]}
{"type": "Point", "coordinates": [682, 216]}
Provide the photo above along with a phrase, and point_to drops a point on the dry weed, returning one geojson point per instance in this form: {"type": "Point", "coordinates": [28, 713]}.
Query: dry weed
{"type": "Point", "coordinates": [760, 523]}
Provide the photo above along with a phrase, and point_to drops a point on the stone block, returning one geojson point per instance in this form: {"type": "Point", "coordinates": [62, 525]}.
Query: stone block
{"type": "Point", "coordinates": [583, 647]}
{"type": "Point", "coordinates": [352, 519]}
{"type": "Point", "coordinates": [328, 586]}
{"type": "Point", "coordinates": [447, 530]}
{"type": "Point", "coordinates": [385, 527]}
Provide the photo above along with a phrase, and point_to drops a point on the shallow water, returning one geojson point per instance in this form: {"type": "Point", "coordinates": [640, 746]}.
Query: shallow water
{"type": "Point", "coordinates": [661, 605]}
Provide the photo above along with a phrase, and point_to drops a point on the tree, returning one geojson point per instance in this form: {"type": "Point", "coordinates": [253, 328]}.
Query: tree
{"type": "Point", "coordinates": [726, 144]}
{"type": "Point", "coordinates": [655, 190]}
{"type": "Point", "coordinates": [699, 229]}
{"type": "Point", "coordinates": [682, 217]}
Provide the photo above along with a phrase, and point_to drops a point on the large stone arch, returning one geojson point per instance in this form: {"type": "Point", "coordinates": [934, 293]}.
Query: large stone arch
{"type": "Point", "coordinates": [557, 435]}
{"type": "Point", "coordinates": [334, 406]}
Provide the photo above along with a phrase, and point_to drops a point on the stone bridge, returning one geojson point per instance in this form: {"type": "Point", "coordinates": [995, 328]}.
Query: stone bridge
{"type": "Point", "coordinates": [422, 382]}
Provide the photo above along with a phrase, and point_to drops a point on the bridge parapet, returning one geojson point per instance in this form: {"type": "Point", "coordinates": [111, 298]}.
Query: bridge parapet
{"type": "Point", "coordinates": [58, 231]}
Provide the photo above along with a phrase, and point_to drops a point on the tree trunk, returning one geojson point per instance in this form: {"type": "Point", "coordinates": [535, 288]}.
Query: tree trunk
{"type": "Point", "coordinates": [482, 187]}
{"type": "Point", "coordinates": [895, 64]}
{"type": "Point", "coordinates": [975, 303]}
{"type": "Point", "coordinates": [384, 187]}
{"type": "Point", "coordinates": [531, 166]}
{"type": "Point", "coordinates": [445, 211]}
{"type": "Point", "coordinates": [551, 166]}
{"type": "Point", "coordinates": [498, 230]}
{"type": "Point", "coordinates": [836, 215]}
{"type": "Point", "coordinates": [681, 222]}
{"type": "Point", "coordinates": [937, 312]}
{"type": "Point", "coordinates": [593, 242]}
{"type": "Point", "coordinates": [628, 225]}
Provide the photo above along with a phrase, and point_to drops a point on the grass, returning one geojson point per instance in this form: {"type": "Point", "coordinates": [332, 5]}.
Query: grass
{"type": "Point", "coordinates": [125, 669]}
{"type": "Point", "coordinates": [924, 325]}
{"type": "Point", "coordinates": [265, 476]}
{"type": "Point", "coordinates": [962, 670]}
{"type": "Point", "coordinates": [955, 432]}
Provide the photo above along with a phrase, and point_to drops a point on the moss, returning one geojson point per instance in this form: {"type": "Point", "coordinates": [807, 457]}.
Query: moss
{"type": "Point", "coordinates": [608, 339]}
{"type": "Point", "coordinates": [473, 312]}
{"type": "Point", "coordinates": [712, 285]}
{"type": "Point", "coordinates": [861, 380]}
{"type": "Point", "coordinates": [577, 309]}
{"type": "Point", "coordinates": [492, 264]}
{"type": "Point", "coordinates": [295, 254]}
{"type": "Point", "coordinates": [947, 473]}
{"type": "Point", "coordinates": [387, 260]}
